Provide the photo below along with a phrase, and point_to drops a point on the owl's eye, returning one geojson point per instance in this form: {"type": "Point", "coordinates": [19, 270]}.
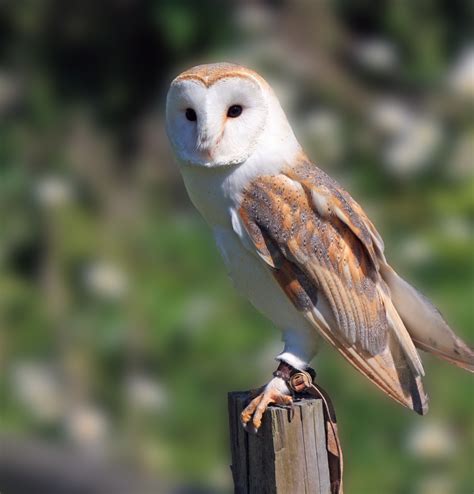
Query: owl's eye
{"type": "Point", "coordinates": [191, 115]}
{"type": "Point", "coordinates": [234, 111]}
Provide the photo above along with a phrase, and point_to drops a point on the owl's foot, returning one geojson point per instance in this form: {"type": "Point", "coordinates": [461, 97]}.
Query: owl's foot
{"type": "Point", "coordinates": [276, 392]}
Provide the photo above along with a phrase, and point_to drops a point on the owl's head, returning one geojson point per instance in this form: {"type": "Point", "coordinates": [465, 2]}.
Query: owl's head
{"type": "Point", "coordinates": [218, 114]}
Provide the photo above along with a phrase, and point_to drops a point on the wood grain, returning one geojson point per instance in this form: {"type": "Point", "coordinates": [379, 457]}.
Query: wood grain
{"type": "Point", "coordinates": [287, 456]}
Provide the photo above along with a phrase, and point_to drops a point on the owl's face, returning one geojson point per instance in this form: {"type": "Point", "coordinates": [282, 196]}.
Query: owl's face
{"type": "Point", "coordinates": [216, 114]}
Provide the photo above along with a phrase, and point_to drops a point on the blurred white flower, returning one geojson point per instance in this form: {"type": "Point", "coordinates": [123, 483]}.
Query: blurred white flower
{"type": "Point", "coordinates": [322, 123]}
{"type": "Point", "coordinates": [456, 228]}
{"type": "Point", "coordinates": [431, 440]}
{"type": "Point", "coordinates": [39, 389]}
{"type": "Point", "coordinates": [87, 426]}
{"type": "Point", "coordinates": [199, 310]}
{"type": "Point", "coordinates": [53, 191]}
{"type": "Point", "coordinates": [435, 483]}
{"type": "Point", "coordinates": [376, 54]}
{"type": "Point", "coordinates": [416, 249]}
{"type": "Point", "coordinates": [144, 393]}
{"type": "Point", "coordinates": [412, 138]}
{"type": "Point", "coordinates": [461, 78]}
{"type": "Point", "coordinates": [412, 149]}
{"type": "Point", "coordinates": [106, 280]}
{"type": "Point", "coordinates": [390, 116]}
{"type": "Point", "coordinates": [462, 161]}
{"type": "Point", "coordinates": [322, 129]}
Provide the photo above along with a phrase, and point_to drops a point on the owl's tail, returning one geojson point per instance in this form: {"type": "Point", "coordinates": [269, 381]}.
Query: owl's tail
{"type": "Point", "coordinates": [427, 328]}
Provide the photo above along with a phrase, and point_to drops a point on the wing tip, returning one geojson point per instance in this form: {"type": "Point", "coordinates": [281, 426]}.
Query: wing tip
{"type": "Point", "coordinates": [461, 355]}
{"type": "Point", "coordinates": [419, 399]}
{"type": "Point", "coordinates": [467, 366]}
{"type": "Point", "coordinates": [411, 395]}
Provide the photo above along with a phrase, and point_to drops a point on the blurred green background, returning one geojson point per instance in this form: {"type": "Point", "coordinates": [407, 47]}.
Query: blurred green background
{"type": "Point", "coordinates": [120, 333]}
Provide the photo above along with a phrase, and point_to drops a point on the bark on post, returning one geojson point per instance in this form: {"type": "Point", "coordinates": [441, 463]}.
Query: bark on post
{"type": "Point", "coordinates": [287, 456]}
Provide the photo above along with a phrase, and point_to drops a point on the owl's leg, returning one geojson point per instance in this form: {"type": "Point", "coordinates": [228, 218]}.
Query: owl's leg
{"type": "Point", "coordinates": [300, 348]}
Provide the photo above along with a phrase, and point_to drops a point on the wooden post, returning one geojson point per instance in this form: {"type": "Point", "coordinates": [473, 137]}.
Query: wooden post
{"type": "Point", "coordinates": [287, 456]}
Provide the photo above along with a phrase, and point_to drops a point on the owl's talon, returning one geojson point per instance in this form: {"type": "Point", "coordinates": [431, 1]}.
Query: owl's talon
{"type": "Point", "coordinates": [251, 416]}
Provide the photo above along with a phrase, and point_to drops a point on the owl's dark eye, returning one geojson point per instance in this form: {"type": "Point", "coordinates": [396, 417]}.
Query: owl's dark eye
{"type": "Point", "coordinates": [234, 111]}
{"type": "Point", "coordinates": [191, 115]}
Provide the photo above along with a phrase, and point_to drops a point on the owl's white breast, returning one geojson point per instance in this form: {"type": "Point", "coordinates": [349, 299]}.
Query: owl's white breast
{"type": "Point", "coordinates": [253, 279]}
{"type": "Point", "coordinates": [216, 191]}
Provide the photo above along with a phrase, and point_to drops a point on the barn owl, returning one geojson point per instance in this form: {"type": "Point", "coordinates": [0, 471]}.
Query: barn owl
{"type": "Point", "coordinates": [295, 243]}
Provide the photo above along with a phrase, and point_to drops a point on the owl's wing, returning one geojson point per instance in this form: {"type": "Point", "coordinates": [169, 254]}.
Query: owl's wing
{"type": "Point", "coordinates": [325, 255]}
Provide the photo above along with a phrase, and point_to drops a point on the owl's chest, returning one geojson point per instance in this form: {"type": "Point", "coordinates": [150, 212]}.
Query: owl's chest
{"type": "Point", "coordinates": [252, 279]}
{"type": "Point", "coordinates": [209, 196]}
{"type": "Point", "coordinates": [216, 191]}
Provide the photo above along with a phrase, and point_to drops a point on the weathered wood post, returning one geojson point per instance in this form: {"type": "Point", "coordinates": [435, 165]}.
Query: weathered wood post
{"type": "Point", "coordinates": [288, 455]}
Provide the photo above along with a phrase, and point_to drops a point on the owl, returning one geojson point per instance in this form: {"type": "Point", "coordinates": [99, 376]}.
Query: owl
{"type": "Point", "coordinates": [295, 243]}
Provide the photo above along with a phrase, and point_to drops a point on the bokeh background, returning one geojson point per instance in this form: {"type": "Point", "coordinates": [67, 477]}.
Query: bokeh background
{"type": "Point", "coordinates": [120, 333]}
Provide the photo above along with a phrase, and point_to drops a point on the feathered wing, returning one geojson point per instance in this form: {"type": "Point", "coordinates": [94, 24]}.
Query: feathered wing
{"type": "Point", "coordinates": [328, 258]}
{"type": "Point", "coordinates": [331, 274]}
{"type": "Point", "coordinates": [427, 328]}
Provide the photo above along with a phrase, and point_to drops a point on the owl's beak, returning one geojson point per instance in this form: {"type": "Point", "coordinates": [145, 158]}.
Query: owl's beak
{"type": "Point", "coordinates": [204, 145]}
{"type": "Point", "coordinates": [205, 140]}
